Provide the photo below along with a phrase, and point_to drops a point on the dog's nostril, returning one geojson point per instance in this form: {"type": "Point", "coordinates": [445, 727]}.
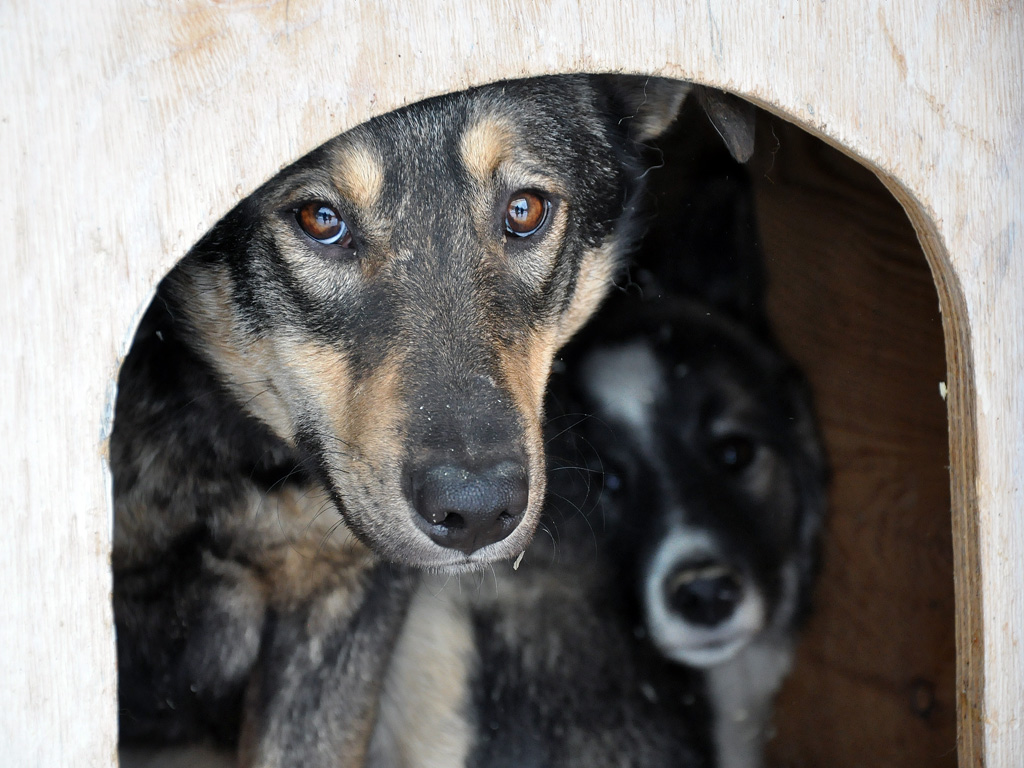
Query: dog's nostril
{"type": "Point", "coordinates": [703, 593]}
{"type": "Point", "coordinates": [453, 521]}
{"type": "Point", "coordinates": [468, 509]}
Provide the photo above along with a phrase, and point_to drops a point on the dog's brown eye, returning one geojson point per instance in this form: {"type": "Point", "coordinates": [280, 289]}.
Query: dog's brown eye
{"type": "Point", "coordinates": [526, 213]}
{"type": "Point", "coordinates": [323, 224]}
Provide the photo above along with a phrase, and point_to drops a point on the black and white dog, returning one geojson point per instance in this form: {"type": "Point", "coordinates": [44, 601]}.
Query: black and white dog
{"type": "Point", "coordinates": [654, 622]}
{"type": "Point", "coordinates": [726, 470]}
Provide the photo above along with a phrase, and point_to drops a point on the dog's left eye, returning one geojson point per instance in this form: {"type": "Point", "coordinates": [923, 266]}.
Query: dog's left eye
{"type": "Point", "coordinates": [526, 213]}
{"type": "Point", "coordinates": [612, 482]}
{"type": "Point", "coordinates": [322, 223]}
{"type": "Point", "coordinates": [733, 452]}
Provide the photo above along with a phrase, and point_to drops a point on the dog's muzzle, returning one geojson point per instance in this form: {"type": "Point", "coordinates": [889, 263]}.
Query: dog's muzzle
{"type": "Point", "coordinates": [701, 608]}
{"type": "Point", "coordinates": [703, 593]}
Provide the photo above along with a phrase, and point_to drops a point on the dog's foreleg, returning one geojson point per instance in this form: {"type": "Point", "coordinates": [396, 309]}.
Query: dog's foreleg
{"type": "Point", "coordinates": [314, 698]}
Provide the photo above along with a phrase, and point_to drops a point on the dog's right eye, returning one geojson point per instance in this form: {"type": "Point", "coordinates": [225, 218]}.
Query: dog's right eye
{"type": "Point", "coordinates": [526, 213]}
{"type": "Point", "coordinates": [323, 224]}
{"type": "Point", "coordinates": [734, 452]}
{"type": "Point", "coordinates": [614, 477]}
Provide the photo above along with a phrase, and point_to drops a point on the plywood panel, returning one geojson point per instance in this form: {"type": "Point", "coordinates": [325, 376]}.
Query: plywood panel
{"type": "Point", "coordinates": [852, 299]}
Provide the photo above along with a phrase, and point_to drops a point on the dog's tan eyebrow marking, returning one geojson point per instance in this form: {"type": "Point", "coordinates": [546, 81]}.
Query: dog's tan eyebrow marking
{"type": "Point", "coordinates": [358, 174]}
{"type": "Point", "coordinates": [485, 146]}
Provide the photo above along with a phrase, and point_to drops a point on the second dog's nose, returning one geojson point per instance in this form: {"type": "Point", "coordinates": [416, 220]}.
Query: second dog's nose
{"type": "Point", "coordinates": [703, 593]}
{"type": "Point", "coordinates": [468, 509]}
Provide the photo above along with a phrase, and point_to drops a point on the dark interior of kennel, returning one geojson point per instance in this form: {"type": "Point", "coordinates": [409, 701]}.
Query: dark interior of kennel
{"type": "Point", "coordinates": [852, 300]}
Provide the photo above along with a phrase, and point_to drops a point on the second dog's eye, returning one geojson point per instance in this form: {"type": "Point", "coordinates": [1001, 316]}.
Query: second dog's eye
{"type": "Point", "coordinates": [526, 213]}
{"type": "Point", "coordinates": [733, 452]}
{"type": "Point", "coordinates": [322, 223]}
{"type": "Point", "coordinates": [614, 477]}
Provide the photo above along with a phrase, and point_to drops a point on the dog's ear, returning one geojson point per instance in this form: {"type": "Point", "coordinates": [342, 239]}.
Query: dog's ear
{"type": "Point", "coordinates": [646, 105]}
{"type": "Point", "coordinates": [733, 118]}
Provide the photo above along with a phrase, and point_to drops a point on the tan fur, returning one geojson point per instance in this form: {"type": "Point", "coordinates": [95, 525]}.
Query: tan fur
{"type": "Point", "coordinates": [366, 416]}
{"type": "Point", "coordinates": [361, 426]}
{"type": "Point", "coordinates": [423, 714]}
{"type": "Point", "coordinates": [291, 516]}
{"type": "Point", "coordinates": [297, 539]}
{"type": "Point", "coordinates": [526, 369]}
{"type": "Point", "coordinates": [377, 413]}
{"type": "Point", "coordinates": [243, 363]}
{"type": "Point", "coordinates": [358, 174]}
{"type": "Point", "coordinates": [485, 146]}
{"type": "Point", "coordinates": [595, 278]}
{"type": "Point", "coordinates": [321, 372]}
{"type": "Point", "coordinates": [318, 563]}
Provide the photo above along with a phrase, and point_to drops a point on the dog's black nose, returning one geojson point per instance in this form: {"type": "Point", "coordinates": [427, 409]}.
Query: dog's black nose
{"type": "Point", "coordinates": [703, 593]}
{"type": "Point", "coordinates": [468, 509]}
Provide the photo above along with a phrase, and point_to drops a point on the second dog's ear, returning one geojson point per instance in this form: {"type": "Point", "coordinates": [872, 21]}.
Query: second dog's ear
{"type": "Point", "coordinates": [647, 105]}
{"type": "Point", "coordinates": [733, 118]}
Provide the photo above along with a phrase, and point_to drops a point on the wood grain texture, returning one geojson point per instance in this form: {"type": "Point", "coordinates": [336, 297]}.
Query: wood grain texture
{"type": "Point", "coordinates": [127, 129]}
{"type": "Point", "coordinates": [852, 299]}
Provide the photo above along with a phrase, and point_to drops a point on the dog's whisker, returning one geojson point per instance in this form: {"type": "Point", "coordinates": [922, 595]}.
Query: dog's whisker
{"type": "Point", "coordinates": [330, 532]}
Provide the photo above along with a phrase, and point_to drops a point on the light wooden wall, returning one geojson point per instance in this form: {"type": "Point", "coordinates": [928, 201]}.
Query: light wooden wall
{"type": "Point", "coordinates": [128, 128]}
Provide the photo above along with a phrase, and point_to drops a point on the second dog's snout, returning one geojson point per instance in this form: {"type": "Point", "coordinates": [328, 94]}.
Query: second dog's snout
{"type": "Point", "coordinates": [705, 594]}
{"type": "Point", "coordinates": [467, 509]}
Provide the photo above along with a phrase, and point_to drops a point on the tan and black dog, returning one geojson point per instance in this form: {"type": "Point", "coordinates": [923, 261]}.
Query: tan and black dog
{"type": "Point", "coordinates": [343, 379]}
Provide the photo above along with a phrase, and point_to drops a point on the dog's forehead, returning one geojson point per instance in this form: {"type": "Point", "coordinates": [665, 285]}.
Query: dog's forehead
{"type": "Point", "coordinates": [626, 381]}
{"type": "Point", "coordinates": [651, 389]}
{"type": "Point", "coordinates": [468, 134]}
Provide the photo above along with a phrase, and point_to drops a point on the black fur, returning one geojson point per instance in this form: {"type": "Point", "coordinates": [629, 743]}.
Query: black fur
{"type": "Point", "coordinates": [703, 240]}
{"type": "Point", "coordinates": [277, 389]}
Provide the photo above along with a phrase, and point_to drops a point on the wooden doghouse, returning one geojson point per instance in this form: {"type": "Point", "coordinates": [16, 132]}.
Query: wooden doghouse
{"type": "Point", "coordinates": [126, 130]}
